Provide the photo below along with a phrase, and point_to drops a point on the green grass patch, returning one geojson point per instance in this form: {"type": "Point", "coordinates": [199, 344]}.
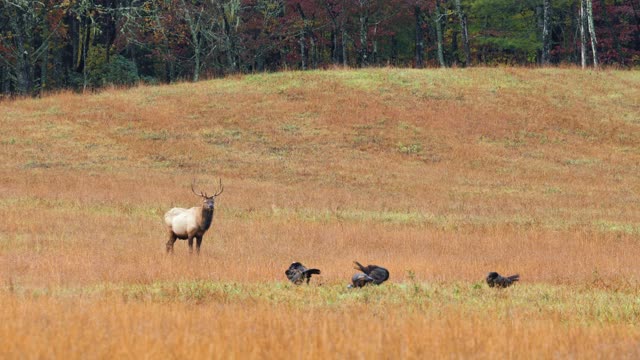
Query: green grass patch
{"type": "Point", "coordinates": [9, 141]}
{"type": "Point", "coordinates": [97, 208]}
{"type": "Point", "coordinates": [618, 227]}
{"type": "Point", "coordinates": [409, 149]}
{"type": "Point", "coordinates": [290, 128]}
{"type": "Point", "coordinates": [162, 135]}
{"type": "Point", "coordinates": [221, 136]}
{"type": "Point", "coordinates": [354, 215]}
{"type": "Point", "coordinates": [361, 80]}
{"type": "Point", "coordinates": [586, 304]}
{"type": "Point", "coordinates": [581, 162]}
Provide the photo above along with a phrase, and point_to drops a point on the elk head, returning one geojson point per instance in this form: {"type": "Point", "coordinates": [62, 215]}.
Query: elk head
{"type": "Point", "coordinates": [208, 202]}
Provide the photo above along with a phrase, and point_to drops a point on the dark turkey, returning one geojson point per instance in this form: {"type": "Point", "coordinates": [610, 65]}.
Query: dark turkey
{"type": "Point", "coordinates": [298, 273]}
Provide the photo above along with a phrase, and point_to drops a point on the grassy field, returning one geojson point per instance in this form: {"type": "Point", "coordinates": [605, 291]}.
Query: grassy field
{"type": "Point", "coordinates": [438, 175]}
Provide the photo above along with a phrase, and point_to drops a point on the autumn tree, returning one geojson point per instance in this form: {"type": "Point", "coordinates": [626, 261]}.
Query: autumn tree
{"type": "Point", "coordinates": [27, 28]}
{"type": "Point", "coordinates": [464, 29]}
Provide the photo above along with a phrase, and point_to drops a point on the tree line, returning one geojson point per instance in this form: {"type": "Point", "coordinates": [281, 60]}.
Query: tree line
{"type": "Point", "coordinates": [85, 44]}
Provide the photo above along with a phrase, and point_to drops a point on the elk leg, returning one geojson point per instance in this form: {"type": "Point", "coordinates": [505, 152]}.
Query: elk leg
{"type": "Point", "coordinates": [198, 242]}
{"type": "Point", "coordinates": [172, 240]}
{"type": "Point", "coordinates": [190, 239]}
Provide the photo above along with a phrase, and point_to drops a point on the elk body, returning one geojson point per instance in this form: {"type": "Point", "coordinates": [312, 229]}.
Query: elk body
{"type": "Point", "coordinates": [187, 224]}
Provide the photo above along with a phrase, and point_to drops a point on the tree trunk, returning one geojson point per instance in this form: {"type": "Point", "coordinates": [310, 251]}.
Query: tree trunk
{"type": "Point", "coordinates": [419, 55]}
{"type": "Point", "coordinates": [374, 43]}
{"type": "Point", "coordinates": [23, 82]}
{"type": "Point", "coordinates": [454, 47]}
{"type": "Point", "coordinates": [197, 53]}
{"type": "Point", "coordinates": [85, 51]}
{"type": "Point", "coordinates": [228, 41]}
{"type": "Point", "coordinates": [465, 33]}
{"type": "Point", "coordinates": [438, 21]}
{"type": "Point", "coordinates": [43, 68]}
{"type": "Point", "coordinates": [583, 35]}
{"type": "Point", "coordinates": [196, 63]}
{"type": "Point", "coordinates": [546, 32]}
{"type": "Point", "coordinates": [334, 46]}
{"type": "Point", "coordinates": [303, 63]}
{"type": "Point", "coordinates": [194, 31]}
{"type": "Point", "coordinates": [314, 51]}
{"type": "Point", "coordinates": [335, 56]}
{"type": "Point", "coordinates": [344, 45]}
{"type": "Point", "coordinates": [592, 33]}
{"type": "Point", "coordinates": [74, 37]}
{"type": "Point", "coordinates": [570, 39]}
{"type": "Point", "coordinates": [364, 24]}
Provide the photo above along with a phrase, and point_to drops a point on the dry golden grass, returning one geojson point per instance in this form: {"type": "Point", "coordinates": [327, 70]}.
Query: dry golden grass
{"type": "Point", "coordinates": [112, 328]}
{"type": "Point", "coordinates": [439, 175]}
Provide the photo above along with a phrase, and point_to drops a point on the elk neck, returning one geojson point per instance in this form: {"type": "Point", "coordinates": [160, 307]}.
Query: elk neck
{"type": "Point", "coordinates": [206, 217]}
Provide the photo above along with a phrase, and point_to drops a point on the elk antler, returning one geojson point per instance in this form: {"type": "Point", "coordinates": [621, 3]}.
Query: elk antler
{"type": "Point", "coordinates": [201, 194]}
{"type": "Point", "coordinates": [221, 188]}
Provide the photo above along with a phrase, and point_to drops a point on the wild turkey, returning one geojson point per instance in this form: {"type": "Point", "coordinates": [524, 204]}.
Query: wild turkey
{"type": "Point", "coordinates": [360, 280]}
{"type": "Point", "coordinates": [377, 273]}
{"type": "Point", "coordinates": [298, 273]}
{"type": "Point", "coordinates": [373, 274]}
{"type": "Point", "coordinates": [496, 280]}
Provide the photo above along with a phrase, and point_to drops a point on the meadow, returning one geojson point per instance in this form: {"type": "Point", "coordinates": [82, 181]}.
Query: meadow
{"type": "Point", "coordinates": [438, 175]}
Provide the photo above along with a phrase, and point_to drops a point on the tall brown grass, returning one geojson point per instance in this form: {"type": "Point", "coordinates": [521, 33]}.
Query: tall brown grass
{"type": "Point", "coordinates": [111, 328]}
{"type": "Point", "coordinates": [439, 175]}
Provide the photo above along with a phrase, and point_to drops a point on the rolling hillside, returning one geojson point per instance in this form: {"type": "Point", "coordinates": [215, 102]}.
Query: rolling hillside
{"type": "Point", "coordinates": [439, 175]}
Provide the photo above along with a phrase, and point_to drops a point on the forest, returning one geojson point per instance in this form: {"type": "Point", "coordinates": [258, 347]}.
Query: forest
{"type": "Point", "coordinates": [88, 44]}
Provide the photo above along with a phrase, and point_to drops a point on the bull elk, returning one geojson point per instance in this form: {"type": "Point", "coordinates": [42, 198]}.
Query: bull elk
{"type": "Point", "coordinates": [187, 224]}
